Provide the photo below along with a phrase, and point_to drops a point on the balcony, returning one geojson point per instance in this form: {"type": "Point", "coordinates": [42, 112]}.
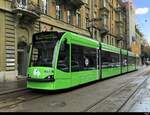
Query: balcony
{"type": "Point", "coordinates": [120, 9]}
{"type": "Point", "coordinates": [120, 14]}
{"type": "Point", "coordinates": [104, 25]}
{"type": "Point", "coordinates": [104, 13]}
{"type": "Point", "coordinates": [70, 4]}
{"type": "Point", "coordinates": [26, 11]}
{"type": "Point", "coordinates": [103, 29]}
{"type": "Point", "coordinates": [120, 35]}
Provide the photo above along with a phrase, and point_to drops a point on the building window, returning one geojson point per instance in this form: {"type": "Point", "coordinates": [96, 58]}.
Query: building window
{"type": "Point", "coordinates": [78, 19]}
{"type": "Point", "coordinates": [45, 6]}
{"type": "Point", "coordinates": [69, 17]}
{"type": "Point", "coordinates": [22, 4]}
{"type": "Point", "coordinates": [107, 40]}
{"type": "Point", "coordinates": [59, 12]}
{"type": "Point", "coordinates": [95, 34]}
{"type": "Point", "coordinates": [95, 14]}
{"type": "Point", "coordinates": [105, 21]}
{"type": "Point", "coordinates": [112, 41]}
{"type": "Point", "coordinates": [112, 15]}
{"type": "Point", "coordinates": [86, 1]}
{"type": "Point", "coordinates": [87, 23]}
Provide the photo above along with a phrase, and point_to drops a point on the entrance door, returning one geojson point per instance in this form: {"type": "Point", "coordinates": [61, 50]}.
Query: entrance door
{"type": "Point", "coordinates": [22, 59]}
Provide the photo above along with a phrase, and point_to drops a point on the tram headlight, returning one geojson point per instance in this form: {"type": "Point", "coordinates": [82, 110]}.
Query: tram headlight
{"type": "Point", "coordinates": [51, 77]}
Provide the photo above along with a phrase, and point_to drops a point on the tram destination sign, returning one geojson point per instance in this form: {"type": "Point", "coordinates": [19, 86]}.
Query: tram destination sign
{"type": "Point", "coordinates": [45, 36]}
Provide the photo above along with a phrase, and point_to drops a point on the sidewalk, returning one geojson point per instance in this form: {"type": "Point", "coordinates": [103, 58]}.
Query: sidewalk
{"type": "Point", "coordinates": [8, 87]}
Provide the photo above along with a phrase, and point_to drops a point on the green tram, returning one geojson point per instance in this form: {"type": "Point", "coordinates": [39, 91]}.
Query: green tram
{"type": "Point", "coordinates": [60, 60]}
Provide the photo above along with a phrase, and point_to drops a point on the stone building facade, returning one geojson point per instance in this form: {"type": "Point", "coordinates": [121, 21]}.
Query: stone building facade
{"type": "Point", "coordinates": [113, 23]}
{"type": "Point", "coordinates": [137, 45]}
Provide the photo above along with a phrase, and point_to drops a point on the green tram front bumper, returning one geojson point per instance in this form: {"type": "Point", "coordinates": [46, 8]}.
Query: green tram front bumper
{"type": "Point", "coordinates": [40, 85]}
{"type": "Point", "coordinates": [40, 78]}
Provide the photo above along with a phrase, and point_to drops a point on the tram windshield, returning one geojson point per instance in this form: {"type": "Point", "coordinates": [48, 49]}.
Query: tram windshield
{"type": "Point", "coordinates": [43, 49]}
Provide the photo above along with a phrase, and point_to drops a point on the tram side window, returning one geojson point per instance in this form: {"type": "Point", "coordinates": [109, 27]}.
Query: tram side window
{"type": "Point", "coordinates": [110, 59]}
{"type": "Point", "coordinates": [137, 61]}
{"type": "Point", "coordinates": [76, 58]}
{"type": "Point", "coordinates": [63, 59]}
{"type": "Point", "coordinates": [124, 60]}
{"type": "Point", "coordinates": [131, 60]}
{"type": "Point", "coordinates": [83, 58]}
{"type": "Point", "coordinates": [90, 60]}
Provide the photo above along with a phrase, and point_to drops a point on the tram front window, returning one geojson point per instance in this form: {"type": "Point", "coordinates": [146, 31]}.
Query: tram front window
{"type": "Point", "coordinates": [42, 51]}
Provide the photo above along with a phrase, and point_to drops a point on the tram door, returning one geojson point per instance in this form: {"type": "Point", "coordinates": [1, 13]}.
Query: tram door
{"type": "Point", "coordinates": [22, 59]}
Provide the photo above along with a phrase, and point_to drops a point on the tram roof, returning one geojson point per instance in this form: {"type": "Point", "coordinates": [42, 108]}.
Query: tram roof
{"type": "Point", "coordinates": [81, 40]}
{"type": "Point", "coordinates": [123, 51]}
{"type": "Point", "coordinates": [110, 48]}
{"type": "Point", "coordinates": [131, 54]}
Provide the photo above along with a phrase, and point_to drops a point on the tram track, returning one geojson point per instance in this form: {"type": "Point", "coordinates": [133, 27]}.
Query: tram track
{"type": "Point", "coordinates": [108, 102]}
{"type": "Point", "coordinates": [140, 73]}
{"type": "Point", "coordinates": [12, 91]}
{"type": "Point", "coordinates": [12, 99]}
{"type": "Point", "coordinates": [101, 100]}
{"type": "Point", "coordinates": [132, 94]}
